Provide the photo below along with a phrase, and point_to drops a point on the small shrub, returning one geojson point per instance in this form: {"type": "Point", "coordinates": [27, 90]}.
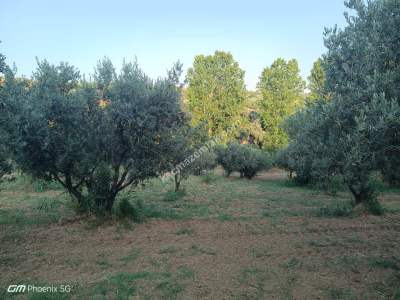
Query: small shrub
{"type": "Point", "coordinates": [125, 208]}
{"type": "Point", "coordinates": [205, 162]}
{"type": "Point", "coordinates": [135, 211]}
{"type": "Point", "coordinates": [245, 159]}
{"type": "Point", "coordinates": [374, 207]}
{"type": "Point", "coordinates": [228, 157]}
{"type": "Point", "coordinates": [330, 184]}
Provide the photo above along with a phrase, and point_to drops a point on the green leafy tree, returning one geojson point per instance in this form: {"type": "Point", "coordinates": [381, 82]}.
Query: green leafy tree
{"type": "Point", "coordinates": [282, 90]}
{"type": "Point", "coordinates": [251, 131]}
{"type": "Point", "coordinates": [95, 138]}
{"type": "Point", "coordinates": [316, 82]}
{"type": "Point", "coordinates": [215, 92]}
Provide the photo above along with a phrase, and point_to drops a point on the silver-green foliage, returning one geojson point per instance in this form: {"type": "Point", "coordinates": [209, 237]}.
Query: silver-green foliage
{"type": "Point", "coordinates": [356, 132]}
{"type": "Point", "coordinates": [245, 159]}
{"type": "Point", "coordinates": [94, 137]}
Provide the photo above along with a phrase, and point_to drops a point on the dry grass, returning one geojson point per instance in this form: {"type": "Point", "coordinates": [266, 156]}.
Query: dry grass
{"type": "Point", "coordinates": [230, 239]}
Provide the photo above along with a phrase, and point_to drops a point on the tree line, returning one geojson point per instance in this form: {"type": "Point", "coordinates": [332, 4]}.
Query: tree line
{"type": "Point", "coordinates": [98, 136]}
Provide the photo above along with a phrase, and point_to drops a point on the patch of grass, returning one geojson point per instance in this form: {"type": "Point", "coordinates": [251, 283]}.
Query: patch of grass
{"type": "Point", "coordinates": [24, 209]}
{"type": "Point", "coordinates": [388, 288]}
{"type": "Point", "coordinates": [170, 288]}
{"type": "Point", "coordinates": [11, 217]}
{"type": "Point", "coordinates": [338, 209]}
{"type": "Point", "coordinates": [8, 260]}
{"type": "Point", "coordinates": [168, 250]}
{"type": "Point", "coordinates": [255, 278]}
{"type": "Point", "coordinates": [223, 217]}
{"type": "Point", "coordinates": [322, 243]}
{"type": "Point", "coordinates": [49, 296]}
{"type": "Point", "coordinates": [142, 285]}
{"type": "Point", "coordinates": [173, 196]}
{"type": "Point", "coordinates": [258, 252]}
{"type": "Point", "coordinates": [139, 211]}
{"type": "Point", "coordinates": [134, 211]}
{"type": "Point", "coordinates": [209, 178]}
{"type": "Point", "coordinates": [374, 207]}
{"type": "Point", "coordinates": [267, 213]}
{"type": "Point", "coordinates": [333, 241]}
{"type": "Point", "coordinates": [348, 262]}
{"type": "Point", "coordinates": [385, 263]}
{"type": "Point", "coordinates": [121, 286]}
{"type": "Point", "coordinates": [185, 231]}
{"type": "Point", "coordinates": [26, 183]}
{"type": "Point", "coordinates": [293, 263]}
{"type": "Point", "coordinates": [246, 202]}
{"type": "Point", "coordinates": [185, 272]}
{"type": "Point", "coordinates": [73, 262]}
{"type": "Point", "coordinates": [132, 256]}
{"type": "Point", "coordinates": [340, 293]}
{"type": "Point", "coordinates": [40, 186]}
{"type": "Point", "coordinates": [103, 263]}
{"type": "Point", "coordinates": [195, 250]}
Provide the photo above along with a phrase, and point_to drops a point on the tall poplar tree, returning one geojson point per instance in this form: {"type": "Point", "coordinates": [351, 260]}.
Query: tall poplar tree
{"type": "Point", "coordinates": [282, 90]}
{"type": "Point", "coordinates": [215, 93]}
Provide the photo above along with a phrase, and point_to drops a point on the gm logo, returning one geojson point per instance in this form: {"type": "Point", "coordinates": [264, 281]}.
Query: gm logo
{"type": "Point", "coordinates": [13, 288]}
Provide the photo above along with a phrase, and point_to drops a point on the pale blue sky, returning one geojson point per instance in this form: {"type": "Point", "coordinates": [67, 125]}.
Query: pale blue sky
{"type": "Point", "coordinates": [161, 32]}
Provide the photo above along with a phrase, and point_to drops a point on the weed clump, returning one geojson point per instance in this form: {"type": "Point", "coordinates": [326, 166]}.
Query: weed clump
{"type": "Point", "coordinates": [339, 209]}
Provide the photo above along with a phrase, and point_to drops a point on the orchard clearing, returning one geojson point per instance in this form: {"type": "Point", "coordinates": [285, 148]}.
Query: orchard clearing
{"type": "Point", "coordinates": [223, 238]}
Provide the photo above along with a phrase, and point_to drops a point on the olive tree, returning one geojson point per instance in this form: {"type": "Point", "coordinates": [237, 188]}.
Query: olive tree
{"type": "Point", "coordinates": [94, 137]}
{"type": "Point", "coordinates": [245, 159]}
{"type": "Point", "coordinates": [356, 132]}
{"type": "Point", "coordinates": [193, 154]}
{"type": "Point", "coordinates": [5, 164]}
{"type": "Point", "coordinates": [362, 62]}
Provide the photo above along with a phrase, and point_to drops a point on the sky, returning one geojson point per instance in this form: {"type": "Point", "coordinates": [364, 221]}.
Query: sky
{"type": "Point", "coordinates": [158, 33]}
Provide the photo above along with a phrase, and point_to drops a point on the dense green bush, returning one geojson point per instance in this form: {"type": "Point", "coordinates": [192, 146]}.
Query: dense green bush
{"type": "Point", "coordinates": [128, 210]}
{"type": "Point", "coordinates": [229, 157]}
{"type": "Point", "coordinates": [245, 159]}
{"type": "Point", "coordinates": [207, 161]}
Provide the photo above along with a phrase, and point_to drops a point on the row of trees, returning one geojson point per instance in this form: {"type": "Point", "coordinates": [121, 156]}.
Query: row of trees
{"type": "Point", "coordinates": [216, 96]}
{"type": "Point", "coordinates": [100, 136]}
{"type": "Point", "coordinates": [352, 128]}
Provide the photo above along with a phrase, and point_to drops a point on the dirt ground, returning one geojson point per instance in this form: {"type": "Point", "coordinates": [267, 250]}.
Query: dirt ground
{"type": "Point", "coordinates": [292, 257]}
